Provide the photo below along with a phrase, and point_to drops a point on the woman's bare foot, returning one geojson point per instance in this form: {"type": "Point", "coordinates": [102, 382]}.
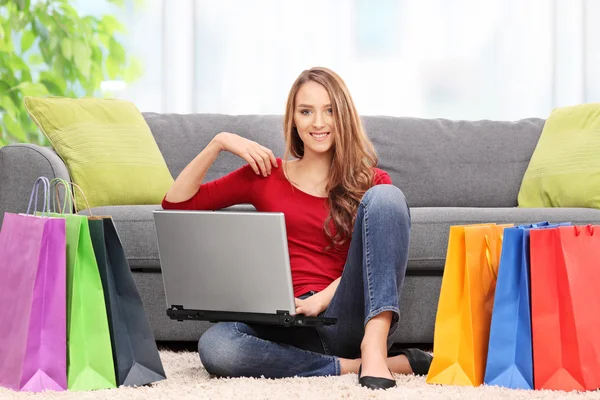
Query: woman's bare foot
{"type": "Point", "coordinates": [399, 365]}
{"type": "Point", "coordinates": [349, 366]}
{"type": "Point", "coordinates": [374, 363]}
{"type": "Point", "coordinates": [374, 347]}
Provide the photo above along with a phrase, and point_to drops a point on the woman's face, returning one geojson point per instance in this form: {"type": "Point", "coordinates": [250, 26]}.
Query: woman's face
{"type": "Point", "coordinates": [313, 118]}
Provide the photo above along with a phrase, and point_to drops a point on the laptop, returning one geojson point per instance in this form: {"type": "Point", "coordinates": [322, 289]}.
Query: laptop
{"type": "Point", "coordinates": [228, 266]}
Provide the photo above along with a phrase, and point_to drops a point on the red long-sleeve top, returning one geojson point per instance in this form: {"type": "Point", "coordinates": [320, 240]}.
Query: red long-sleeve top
{"type": "Point", "coordinates": [313, 268]}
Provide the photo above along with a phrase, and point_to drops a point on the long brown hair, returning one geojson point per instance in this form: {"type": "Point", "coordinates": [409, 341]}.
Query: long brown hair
{"type": "Point", "coordinates": [351, 173]}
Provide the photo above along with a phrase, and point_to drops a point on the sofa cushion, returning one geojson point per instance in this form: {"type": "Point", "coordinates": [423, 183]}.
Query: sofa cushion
{"type": "Point", "coordinates": [564, 170]}
{"type": "Point", "coordinates": [180, 137]}
{"type": "Point", "coordinates": [107, 146]}
{"type": "Point", "coordinates": [443, 163]}
{"type": "Point", "coordinates": [436, 162]}
{"type": "Point", "coordinates": [431, 225]}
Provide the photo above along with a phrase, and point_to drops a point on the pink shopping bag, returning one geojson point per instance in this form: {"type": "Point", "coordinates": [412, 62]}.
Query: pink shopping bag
{"type": "Point", "coordinates": [33, 298]}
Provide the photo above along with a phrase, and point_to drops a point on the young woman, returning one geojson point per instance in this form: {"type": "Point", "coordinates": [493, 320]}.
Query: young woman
{"type": "Point", "coordinates": [348, 234]}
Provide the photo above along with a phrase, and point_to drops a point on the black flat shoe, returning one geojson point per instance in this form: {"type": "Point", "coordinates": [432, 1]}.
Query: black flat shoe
{"type": "Point", "coordinates": [419, 360]}
{"type": "Point", "coordinates": [372, 382]}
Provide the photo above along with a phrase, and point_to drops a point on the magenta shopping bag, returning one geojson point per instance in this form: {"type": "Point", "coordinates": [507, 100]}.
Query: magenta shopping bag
{"type": "Point", "coordinates": [33, 300]}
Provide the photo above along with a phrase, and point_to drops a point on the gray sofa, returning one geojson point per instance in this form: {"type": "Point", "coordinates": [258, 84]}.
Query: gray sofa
{"type": "Point", "coordinates": [451, 172]}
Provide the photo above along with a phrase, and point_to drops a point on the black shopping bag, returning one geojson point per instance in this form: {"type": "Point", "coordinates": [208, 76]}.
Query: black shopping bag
{"type": "Point", "coordinates": [135, 354]}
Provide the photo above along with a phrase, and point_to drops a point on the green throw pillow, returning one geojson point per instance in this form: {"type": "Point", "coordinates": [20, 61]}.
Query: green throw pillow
{"type": "Point", "coordinates": [564, 170]}
{"type": "Point", "coordinates": [107, 147]}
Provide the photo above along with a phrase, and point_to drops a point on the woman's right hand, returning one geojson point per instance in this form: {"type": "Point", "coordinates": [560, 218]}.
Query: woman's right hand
{"type": "Point", "coordinates": [260, 158]}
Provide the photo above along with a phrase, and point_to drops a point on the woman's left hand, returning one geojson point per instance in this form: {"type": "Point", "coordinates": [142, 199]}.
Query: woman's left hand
{"type": "Point", "coordinates": [312, 306]}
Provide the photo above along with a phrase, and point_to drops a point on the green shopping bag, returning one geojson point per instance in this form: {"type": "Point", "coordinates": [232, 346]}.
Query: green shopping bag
{"type": "Point", "coordinates": [89, 352]}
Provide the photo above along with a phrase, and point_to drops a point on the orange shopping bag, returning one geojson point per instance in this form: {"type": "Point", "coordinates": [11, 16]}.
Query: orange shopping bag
{"type": "Point", "coordinates": [565, 307]}
{"type": "Point", "coordinates": [462, 325]}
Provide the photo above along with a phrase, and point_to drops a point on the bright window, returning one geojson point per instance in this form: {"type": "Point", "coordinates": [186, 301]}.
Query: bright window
{"type": "Point", "coordinates": [460, 59]}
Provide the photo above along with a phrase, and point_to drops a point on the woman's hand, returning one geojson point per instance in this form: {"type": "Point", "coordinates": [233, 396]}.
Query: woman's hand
{"type": "Point", "coordinates": [312, 306]}
{"type": "Point", "coordinates": [260, 158]}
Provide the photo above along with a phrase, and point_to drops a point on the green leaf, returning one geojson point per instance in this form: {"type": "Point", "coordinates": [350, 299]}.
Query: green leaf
{"type": "Point", "coordinates": [13, 128]}
{"type": "Point", "coordinates": [18, 63]}
{"type": "Point", "coordinates": [112, 68]}
{"type": "Point", "coordinates": [82, 56]}
{"type": "Point", "coordinates": [46, 54]}
{"type": "Point", "coordinates": [4, 86]}
{"type": "Point", "coordinates": [27, 124]}
{"type": "Point", "coordinates": [54, 43]}
{"type": "Point", "coordinates": [96, 77]}
{"type": "Point", "coordinates": [19, 68]}
{"type": "Point", "coordinates": [36, 59]}
{"type": "Point", "coordinates": [52, 87]}
{"type": "Point", "coordinates": [112, 24]}
{"type": "Point", "coordinates": [84, 67]}
{"type": "Point", "coordinates": [90, 20]}
{"type": "Point", "coordinates": [55, 84]}
{"type": "Point", "coordinates": [32, 89]}
{"type": "Point", "coordinates": [6, 45]}
{"type": "Point", "coordinates": [23, 4]}
{"type": "Point", "coordinates": [97, 55]}
{"type": "Point", "coordinates": [25, 75]}
{"type": "Point", "coordinates": [14, 95]}
{"type": "Point", "coordinates": [40, 29]}
{"type": "Point", "coordinates": [66, 48]}
{"type": "Point", "coordinates": [68, 11]}
{"type": "Point", "coordinates": [27, 41]}
{"type": "Point", "coordinates": [7, 104]}
{"type": "Point", "coordinates": [116, 51]}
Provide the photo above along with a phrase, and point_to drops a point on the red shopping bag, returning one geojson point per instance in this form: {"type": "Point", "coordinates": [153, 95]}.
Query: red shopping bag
{"type": "Point", "coordinates": [565, 307]}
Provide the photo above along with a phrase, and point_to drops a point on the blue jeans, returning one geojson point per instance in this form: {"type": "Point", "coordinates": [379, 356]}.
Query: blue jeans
{"type": "Point", "coordinates": [370, 284]}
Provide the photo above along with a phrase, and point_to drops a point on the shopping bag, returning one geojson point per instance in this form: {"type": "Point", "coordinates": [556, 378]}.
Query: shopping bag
{"type": "Point", "coordinates": [33, 298]}
{"type": "Point", "coordinates": [135, 354]}
{"type": "Point", "coordinates": [465, 305]}
{"type": "Point", "coordinates": [510, 359]}
{"type": "Point", "coordinates": [565, 307]}
{"type": "Point", "coordinates": [89, 353]}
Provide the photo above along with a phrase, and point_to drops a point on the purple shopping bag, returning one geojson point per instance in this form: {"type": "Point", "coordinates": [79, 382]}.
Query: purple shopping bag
{"type": "Point", "coordinates": [33, 298]}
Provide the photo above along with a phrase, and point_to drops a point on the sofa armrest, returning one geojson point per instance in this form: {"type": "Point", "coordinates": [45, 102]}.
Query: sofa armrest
{"type": "Point", "coordinates": [20, 166]}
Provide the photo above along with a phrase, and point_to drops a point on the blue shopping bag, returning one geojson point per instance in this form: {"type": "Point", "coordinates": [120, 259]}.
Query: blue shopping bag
{"type": "Point", "coordinates": [510, 356]}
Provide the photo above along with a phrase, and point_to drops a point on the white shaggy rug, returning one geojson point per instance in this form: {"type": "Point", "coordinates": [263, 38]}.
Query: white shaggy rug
{"type": "Point", "coordinates": [188, 380]}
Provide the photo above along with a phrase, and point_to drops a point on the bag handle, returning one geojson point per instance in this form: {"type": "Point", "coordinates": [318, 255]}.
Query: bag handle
{"type": "Point", "coordinates": [34, 191]}
{"type": "Point", "coordinates": [57, 182]}
{"type": "Point", "coordinates": [84, 198]}
{"type": "Point", "coordinates": [579, 229]}
{"type": "Point", "coordinates": [69, 186]}
{"type": "Point", "coordinates": [488, 254]}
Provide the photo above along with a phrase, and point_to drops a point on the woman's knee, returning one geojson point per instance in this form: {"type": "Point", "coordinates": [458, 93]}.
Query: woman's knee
{"type": "Point", "coordinates": [387, 200]}
{"type": "Point", "coordinates": [219, 349]}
